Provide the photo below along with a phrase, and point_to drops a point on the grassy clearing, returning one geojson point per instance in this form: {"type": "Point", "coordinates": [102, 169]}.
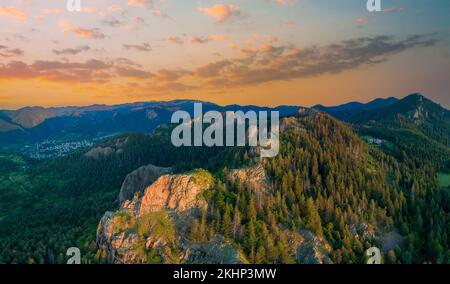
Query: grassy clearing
{"type": "Point", "coordinates": [444, 179]}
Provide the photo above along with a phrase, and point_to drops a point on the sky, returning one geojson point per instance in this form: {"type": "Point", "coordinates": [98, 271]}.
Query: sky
{"type": "Point", "coordinates": [261, 52]}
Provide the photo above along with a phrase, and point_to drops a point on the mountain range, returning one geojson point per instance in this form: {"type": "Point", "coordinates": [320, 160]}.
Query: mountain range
{"type": "Point", "coordinates": [35, 124]}
{"type": "Point", "coordinates": [30, 125]}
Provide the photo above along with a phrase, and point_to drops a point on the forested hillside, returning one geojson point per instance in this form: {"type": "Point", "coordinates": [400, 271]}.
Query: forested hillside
{"type": "Point", "coordinates": [350, 196]}
{"type": "Point", "coordinates": [326, 185]}
{"type": "Point", "coordinates": [414, 127]}
{"type": "Point", "coordinates": [50, 206]}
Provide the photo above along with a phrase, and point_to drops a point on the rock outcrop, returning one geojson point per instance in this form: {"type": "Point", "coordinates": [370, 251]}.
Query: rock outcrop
{"type": "Point", "coordinates": [254, 177]}
{"type": "Point", "coordinates": [109, 149]}
{"type": "Point", "coordinates": [139, 180]}
{"type": "Point", "coordinates": [176, 193]}
{"type": "Point", "coordinates": [217, 251]}
{"type": "Point", "coordinates": [312, 250]}
{"type": "Point", "coordinates": [119, 246]}
{"type": "Point", "coordinates": [363, 231]}
{"type": "Point", "coordinates": [151, 227]}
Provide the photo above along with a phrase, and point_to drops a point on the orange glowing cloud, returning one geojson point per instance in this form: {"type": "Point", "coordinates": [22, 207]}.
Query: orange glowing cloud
{"type": "Point", "coordinates": [140, 3]}
{"type": "Point", "coordinates": [221, 12]}
{"type": "Point", "coordinates": [13, 12]}
{"type": "Point", "coordinates": [81, 32]}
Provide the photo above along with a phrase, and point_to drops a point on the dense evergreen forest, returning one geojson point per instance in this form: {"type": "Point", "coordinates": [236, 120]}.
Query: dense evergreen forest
{"type": "Point", "coordinates": [53, 205]}
{"type": "Point", "coordinates": [326, 180]}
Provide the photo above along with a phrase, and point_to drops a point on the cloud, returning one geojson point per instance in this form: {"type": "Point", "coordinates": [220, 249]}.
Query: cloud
{"type": "Point", "coordinates": [92, 70]}
{"type": "Point", "coordinates": [16, 37]}
{"type": "Point", "coordinates": [93, 10]}
{"type": "Point", "coordinates": [159, 13]}
{"type": "Point", "coordinates": [178, 87]}
{"type": "Point", "coordinates": [173, 40]}
{"type": "Point", "coordinates": [268, 62]}
{"type": "Point", "coordinates": [274, 63]}
{"type": "Point", "coordinates": [131, 72]}
{"type": "Point", "coordinates": [71, 51]}
{"type": "Point", "coordinates": [172, 75]}
{"type": "Point", "coordinates": [81, 32]}
{"type": "Point", "coordinates": [16, 69]}
{"type": "Point", "coordinates": [47, 65]}
{"type": "Point", "coordinates": [6, 52]}
{"type": "Point", "coordinates": [114, 22]}
{"type": "Point", "coordinates": [198, 39]}
{"type": "Point", "coordinates": [145, 47]}
{"type": "Point", "coordinates": [52, 70]}
{"type": "Point", "coordinates": [146, 4]}
{"type": "Point", "coordinates": [214, 69]}
{"type": "Point", "coordinates": [13, 12]}
{"type": "Point", "coordinates": [222, 12]}
{"type": "Point", "coordinates": [115, 8]}
{"type": "Point", "coordinates": [139, 21]}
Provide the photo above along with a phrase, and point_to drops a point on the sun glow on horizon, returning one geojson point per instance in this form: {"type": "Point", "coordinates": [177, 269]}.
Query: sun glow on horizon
{"type": "Point", "coordinates": [229, 52]}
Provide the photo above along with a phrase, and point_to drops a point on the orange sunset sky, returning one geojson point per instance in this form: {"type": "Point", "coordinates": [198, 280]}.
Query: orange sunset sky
{"type": "Point", "coordinates": [262, 52]}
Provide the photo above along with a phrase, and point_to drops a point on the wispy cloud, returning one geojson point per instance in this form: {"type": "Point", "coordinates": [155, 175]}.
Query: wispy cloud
{"type": "Point", "coordinates": [205, 39]}
{"type": "Point", "coordinates": [10, 52]}
{"type": "Point", "coordinates": [81, 32]}
{"type": "Point", "coordinates": [114, 22]}
{"type": "Point", "coordinates": [146, 4]}
{"type": "Point", "coordinates": [71, 51]}
{"type": "Point", "coordinates": [274, 63]}
{"type": "Point", "coordinates": [13, 12]}
{"type": "Point", "coordinates": [268, 62]}
{"type": "Point", "coordinates": [145, 47]}
{"type": "Point", "coordinates": [92, 70]}
{"type": "Point", "coordinates": [173, 40]}
{"type": "Point", "coordinates": [222, 12]}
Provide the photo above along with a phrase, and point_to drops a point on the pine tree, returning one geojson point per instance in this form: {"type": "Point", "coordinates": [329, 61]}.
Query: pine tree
{"type": "Point", "coordinates": [312, 219]}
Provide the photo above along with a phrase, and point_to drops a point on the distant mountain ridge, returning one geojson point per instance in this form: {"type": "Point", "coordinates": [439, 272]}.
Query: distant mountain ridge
{"type": "Point", "coordinates": [29, 117]}
{"type": "Point", "coordinates": [413, 125]}
{"type": "Point", "coordinates": [30, 125]}
{"type": "Point", "coordinates": [414, 112]}
{"type": "Point", "coordinates": [34, 124]}
{"type": "Point", "coordinates": [346, 111]}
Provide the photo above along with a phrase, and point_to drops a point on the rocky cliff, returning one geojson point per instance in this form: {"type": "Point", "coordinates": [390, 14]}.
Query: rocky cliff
{"type": "Point", "coordinates": [151, 227]}
{"type": "Point", "coordinates": [177, 193]}
{"type": "Point", "coordinates": [139, 180]}
{"type": "Point", "coordinates": [154, 220]}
